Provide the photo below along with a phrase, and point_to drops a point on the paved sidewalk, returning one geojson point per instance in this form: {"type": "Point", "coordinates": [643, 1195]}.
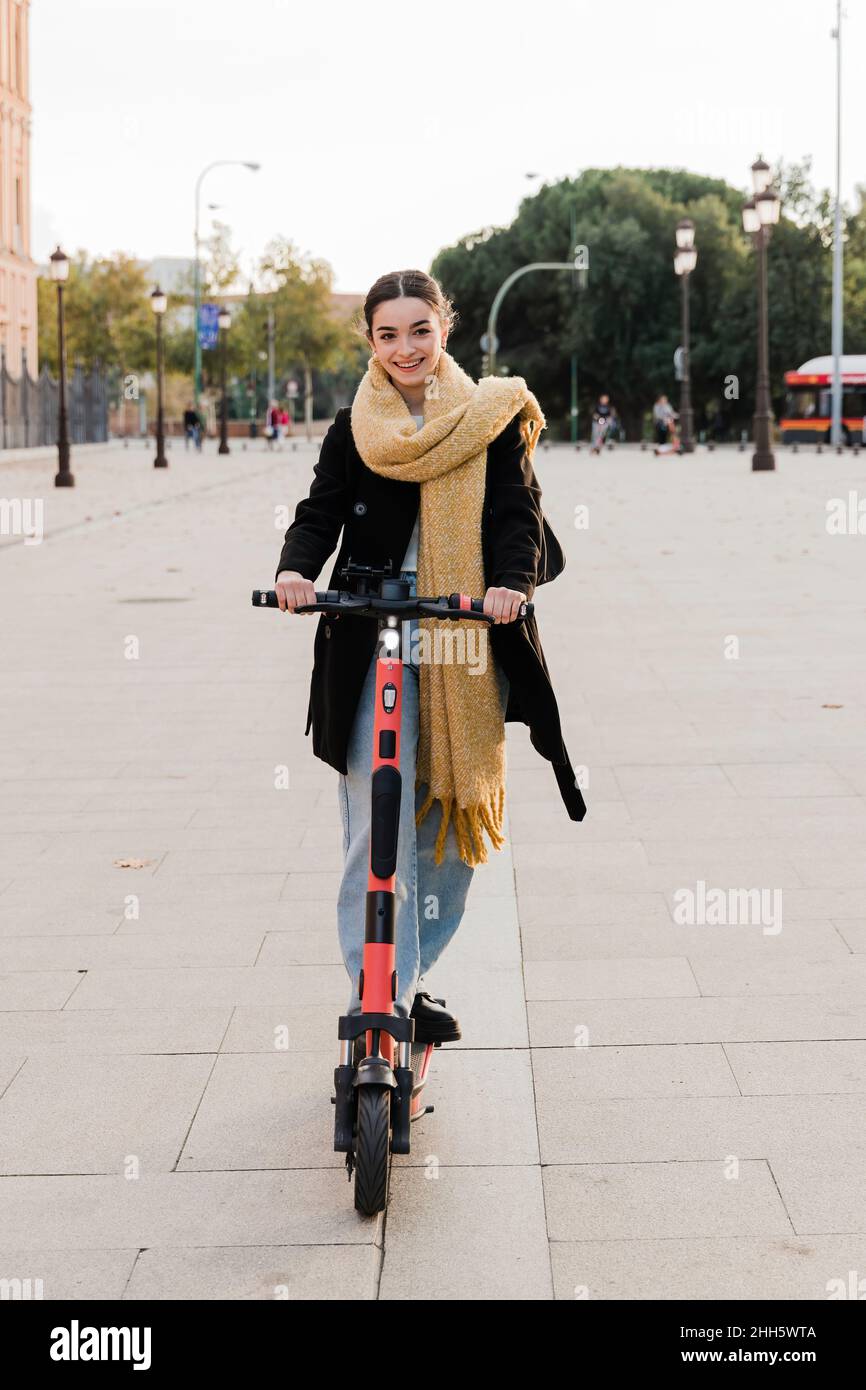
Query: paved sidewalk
{"type": "Point", "coordinates": [638, 1109]}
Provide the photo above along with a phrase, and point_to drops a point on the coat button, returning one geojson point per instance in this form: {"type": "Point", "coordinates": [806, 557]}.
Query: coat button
{"type": "Point", "coordinates": [327, 629]}
{"type": "Point", "coordinates": [360, 508]}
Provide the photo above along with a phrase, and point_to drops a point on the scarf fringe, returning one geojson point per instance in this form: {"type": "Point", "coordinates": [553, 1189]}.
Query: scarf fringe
{"type": "Point", "coordinates": [469, 824]}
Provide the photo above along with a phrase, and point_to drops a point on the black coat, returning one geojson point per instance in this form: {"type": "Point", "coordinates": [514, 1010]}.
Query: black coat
{"type": "Point", "coordinates": [376, 516]}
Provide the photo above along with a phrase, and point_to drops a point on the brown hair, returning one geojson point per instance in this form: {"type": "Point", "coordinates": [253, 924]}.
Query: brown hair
{"type": "Point", "coordinates": [407, 284]}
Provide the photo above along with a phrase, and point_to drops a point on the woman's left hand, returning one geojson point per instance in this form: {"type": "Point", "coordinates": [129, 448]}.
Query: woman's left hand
{"type": "Point", "coordinates": [504, 604]}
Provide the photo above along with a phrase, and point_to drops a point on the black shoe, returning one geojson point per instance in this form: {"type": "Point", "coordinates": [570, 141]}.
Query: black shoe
{"type": "Point", "coordinates": [433, 1023]}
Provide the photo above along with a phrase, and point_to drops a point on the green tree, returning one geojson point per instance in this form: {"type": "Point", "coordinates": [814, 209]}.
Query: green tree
{"type": "Point", "coordinates": [106, 311]}
{"type": "Point", "coordinates": [626, 325]}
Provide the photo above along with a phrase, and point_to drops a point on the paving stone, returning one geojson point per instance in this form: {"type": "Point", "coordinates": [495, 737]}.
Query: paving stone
{"type": "Point", "coordinates": [652, 1200]}
{"type": "Point", "coordinates": [208, 987]}
{"type": "Point", "coordinates": [145, 949]}
{"type": "Point", "coordinates": [757, 1018]}
{"type": "Point", "coordinates": [310, 1206]}
{"type": "Point", "coordinates": [98, 1114]}
{"type": "Point", "coordinates": [69, 1274]}
{"type": "Point", "coordinates": [799, 1068]}
{"type": "Point", "coordinates": [482, 1230]}
{"type": "Point", "coordinates": [295, 1273]}
{"type": "Point", "coordinates": [38, 989]}
{"type": "Point", "coordinates": [107, 1031]}
{"type": "Point", "coordinates": [824, 1194]}
{"type": "Point", "coordinates": [779, 1268]}
{"type": "Point", "coordinates": [670, 978]}
{"type": "Point", "coordinates": [664, 1129]}
{"type": "Point", "coordinates": [587, 1072]}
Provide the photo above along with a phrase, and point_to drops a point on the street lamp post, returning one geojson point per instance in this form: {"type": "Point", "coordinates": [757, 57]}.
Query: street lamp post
{"type": "Point", "coordinates": [759, 215]}
{"type": "Point", "coordinates": [836, 436]}
{"type": "Point", "coordinates": [224, 319]}
{"type": "Point", "coordinates": [253, 167]}
{"type": "Point", "coordinates": [159, 302]}
{"type": "Point", "coordinates": [685, 261]}
{"type": "Point", "coordinates": [59, 274]}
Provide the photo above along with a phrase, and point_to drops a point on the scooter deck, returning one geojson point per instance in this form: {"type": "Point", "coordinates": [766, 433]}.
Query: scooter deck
{"type": "Point", "coordinates": [422, 1054]}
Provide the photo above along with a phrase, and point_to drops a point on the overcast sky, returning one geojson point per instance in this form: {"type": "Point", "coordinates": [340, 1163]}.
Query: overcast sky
{"type": "Point", "coordinates": [388, 131]}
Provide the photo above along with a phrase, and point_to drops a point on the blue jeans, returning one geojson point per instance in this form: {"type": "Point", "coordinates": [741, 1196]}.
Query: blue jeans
{"type": "Point", "coordinates": [430, 897]}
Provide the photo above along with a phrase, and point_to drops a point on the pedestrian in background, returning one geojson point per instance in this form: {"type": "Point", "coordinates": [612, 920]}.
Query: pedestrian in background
{"type": "Point", "coordinates": [272, 423]}
{"type": "Point", "coordinates": [192, 427]}
{"type": "Point", "coordinates": [663, 416]}
{"type": "Point", "coordinates": [603, 417]}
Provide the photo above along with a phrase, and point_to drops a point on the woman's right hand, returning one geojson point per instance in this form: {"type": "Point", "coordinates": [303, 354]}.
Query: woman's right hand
{"type": "Point", "coordinates": [294, 591]}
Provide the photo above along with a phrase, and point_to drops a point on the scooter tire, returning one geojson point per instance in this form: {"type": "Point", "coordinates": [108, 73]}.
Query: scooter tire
{"type": "Point", "coordinates": [372, 1149]}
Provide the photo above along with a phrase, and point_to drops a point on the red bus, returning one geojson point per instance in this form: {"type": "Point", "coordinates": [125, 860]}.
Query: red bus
{"type": "Point", "coordinates": [807, 405]}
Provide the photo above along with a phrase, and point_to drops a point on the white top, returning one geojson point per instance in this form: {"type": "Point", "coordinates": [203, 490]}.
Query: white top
{"type": "Point", "coordinates": [823, 366]}
{"type": "Point", "coordinates": [410, 559]}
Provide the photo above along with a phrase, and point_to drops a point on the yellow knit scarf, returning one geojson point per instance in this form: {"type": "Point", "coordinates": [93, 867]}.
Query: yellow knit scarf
{"type": "Point", "coordinates": [461, 744]}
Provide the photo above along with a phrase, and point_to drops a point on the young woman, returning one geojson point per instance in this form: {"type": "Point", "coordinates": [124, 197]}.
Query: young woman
{"type": "Point", "coordinates": [431, 471]}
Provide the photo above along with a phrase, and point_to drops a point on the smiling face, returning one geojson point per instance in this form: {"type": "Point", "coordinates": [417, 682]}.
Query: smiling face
{"type": "Point", "coordinates": [407, 338]}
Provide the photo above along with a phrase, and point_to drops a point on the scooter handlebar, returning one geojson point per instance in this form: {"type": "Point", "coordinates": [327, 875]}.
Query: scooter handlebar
{"type": "Point", "coordinates": [367, 605]}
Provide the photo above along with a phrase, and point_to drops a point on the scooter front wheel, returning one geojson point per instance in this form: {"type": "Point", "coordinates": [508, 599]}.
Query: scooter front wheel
{"type": "Point", "coordinates": [372, 1149]}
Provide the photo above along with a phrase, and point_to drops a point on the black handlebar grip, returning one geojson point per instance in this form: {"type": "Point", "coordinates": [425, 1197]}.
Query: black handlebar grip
{"type": "Point", "coordinates": [478, 607]}
{"type": "Point", "coordinates": [267, 598]}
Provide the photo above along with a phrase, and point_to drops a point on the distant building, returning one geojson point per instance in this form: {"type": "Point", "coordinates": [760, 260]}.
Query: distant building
{"type": "Point", "coordinates": [17, 269]}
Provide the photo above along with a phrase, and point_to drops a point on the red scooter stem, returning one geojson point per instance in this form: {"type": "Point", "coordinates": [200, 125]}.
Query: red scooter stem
{"type": "Point", "coordinates": [380, 954]}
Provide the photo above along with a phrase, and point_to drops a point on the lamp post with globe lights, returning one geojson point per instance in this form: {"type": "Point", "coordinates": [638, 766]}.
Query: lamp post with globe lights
{"type": "Point", "coordinates": [685, 260]}
{"type": "Point", "coordinates": [760, 214]}
{"type": "Point", "coordinates": [159, 303]}
{"type": "Point", "coordinates": [224, 320]}
{"type": "Point", "coordinates": [60, 274]}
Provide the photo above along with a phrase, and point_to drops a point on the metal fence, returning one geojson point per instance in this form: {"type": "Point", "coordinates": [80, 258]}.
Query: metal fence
{"type": "Point", "coordinates": [29, 406]}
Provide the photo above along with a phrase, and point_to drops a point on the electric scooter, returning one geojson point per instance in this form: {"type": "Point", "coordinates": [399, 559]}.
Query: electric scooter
{"type": "Point", "coordinates": [382, 1072]}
